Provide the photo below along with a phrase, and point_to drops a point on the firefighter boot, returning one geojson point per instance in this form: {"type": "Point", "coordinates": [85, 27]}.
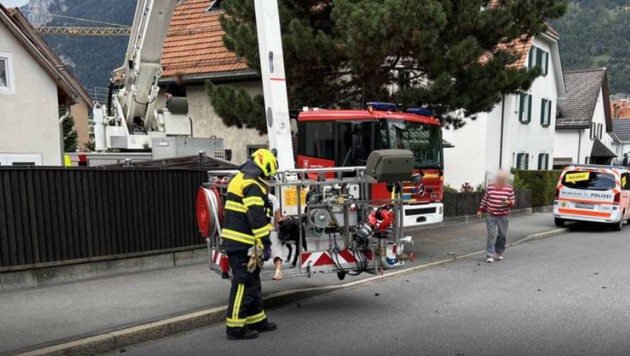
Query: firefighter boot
{"type": "Point", "coordinates": [265, 327]}
{"type": "Point", "coordinates": [248, 335]}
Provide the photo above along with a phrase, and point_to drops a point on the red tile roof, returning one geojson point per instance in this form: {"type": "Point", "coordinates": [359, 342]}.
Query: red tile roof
{"type": "Point", "coordinates": [620, 110]}
{"type": "Point", "coordinates": [194, 44]}
{"type": "Point", "coordinates": [519, 47]}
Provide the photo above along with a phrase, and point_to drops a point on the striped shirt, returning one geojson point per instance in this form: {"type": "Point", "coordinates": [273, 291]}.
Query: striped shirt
{"type": "Point", "coordinates": [493, 201]}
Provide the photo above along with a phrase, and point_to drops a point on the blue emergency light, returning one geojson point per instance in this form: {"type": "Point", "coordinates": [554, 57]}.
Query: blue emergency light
{"type": "Point", "coordinates": [420, 111]}
{"type": "Point", "coordinates": [381, 106]}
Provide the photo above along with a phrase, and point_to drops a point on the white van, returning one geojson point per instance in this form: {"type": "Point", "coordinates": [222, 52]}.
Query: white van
{"type": "Point", "coordinates": [599, 194]}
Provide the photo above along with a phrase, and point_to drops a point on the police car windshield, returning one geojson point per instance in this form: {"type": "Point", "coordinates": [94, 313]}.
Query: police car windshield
{"type": "Point", "coordinates": [588, 180]}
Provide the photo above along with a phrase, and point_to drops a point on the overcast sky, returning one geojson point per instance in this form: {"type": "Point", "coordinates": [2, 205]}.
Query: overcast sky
{"type": "Point", "coordinates": [13, 3]}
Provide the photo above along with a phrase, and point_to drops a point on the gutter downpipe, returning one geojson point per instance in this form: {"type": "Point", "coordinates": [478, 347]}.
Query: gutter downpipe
{"type": "Point", "coordinates": [61, 121]}
{"type": "Point", "coordinates": [502, 128]}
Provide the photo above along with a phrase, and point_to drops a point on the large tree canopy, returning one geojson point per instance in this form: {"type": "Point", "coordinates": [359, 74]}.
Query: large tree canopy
{"type": "Point", "coordinates": [447, 55]}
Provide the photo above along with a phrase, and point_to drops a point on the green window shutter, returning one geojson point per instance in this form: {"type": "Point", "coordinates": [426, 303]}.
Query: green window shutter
{"type": "Point", "coordinates": [546, 64]}
{"type": "Point", "coordinates": [549, 112]}
{"type": "Point", "coordinates": [529, 109]}
{"type": "Point", "coordinates": [521, 108]}
{"type": "Point", "coordinates": [547, 161]}
{"type": "Point", "coordinates": [539, 58]}
{"type": "Point", "coordinates": [543, 107]}
{"type": "Point", "coordinates": [540, 161]}
{"type": "Point", "coordinates": [526, 156]}
{"type": "Point", "coordinates": [530, 61]}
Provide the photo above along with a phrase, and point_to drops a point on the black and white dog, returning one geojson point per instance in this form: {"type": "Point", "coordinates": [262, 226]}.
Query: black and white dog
{"type": "Point", "coordinates": [289, 233]}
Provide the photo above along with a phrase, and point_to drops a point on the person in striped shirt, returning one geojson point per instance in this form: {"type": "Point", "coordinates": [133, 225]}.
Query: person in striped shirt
{"type": "Point", "coordinates": [496, 204]}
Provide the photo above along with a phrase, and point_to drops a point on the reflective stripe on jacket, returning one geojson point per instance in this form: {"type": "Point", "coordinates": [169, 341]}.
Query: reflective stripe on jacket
{"type": "Point", "coordinates": [247, 213]}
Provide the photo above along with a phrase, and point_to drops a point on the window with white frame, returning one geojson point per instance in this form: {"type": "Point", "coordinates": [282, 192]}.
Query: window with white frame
{"type": "Point", "coordinates": [545, 113]}
{"type": "Point", "coordinates": [538, 57]}
{"type": "Point", "coordinates": [7, 85]}
{"type": "Point", "coordinates": [543, 161]}
{"type": "Point", "coordinates": [525, 108]}
{"type": "Point", "coordinates": [522, 161]}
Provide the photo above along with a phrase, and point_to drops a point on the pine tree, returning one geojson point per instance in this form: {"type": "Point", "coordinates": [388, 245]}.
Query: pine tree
{"type": "Point", "coordinates": [343, 53]}
{"type": "Point", "coordinates": [70, 135]}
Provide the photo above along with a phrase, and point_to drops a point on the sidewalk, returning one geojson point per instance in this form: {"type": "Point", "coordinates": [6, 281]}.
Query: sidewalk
{"type": "Point", "coordinates": [44, 316]}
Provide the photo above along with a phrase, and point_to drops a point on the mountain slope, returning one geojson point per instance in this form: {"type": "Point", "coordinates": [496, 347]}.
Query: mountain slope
{"type": "Point", "coordinates": [91, 58]}
{"type": "Point", "coordinates": [593, 33]}
{"type": "Point", "coordinates": [596, 33]}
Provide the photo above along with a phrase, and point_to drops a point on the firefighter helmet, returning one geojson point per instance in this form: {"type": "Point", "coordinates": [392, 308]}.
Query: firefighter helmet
{"type": "Point", "coordinates": [266, 161]}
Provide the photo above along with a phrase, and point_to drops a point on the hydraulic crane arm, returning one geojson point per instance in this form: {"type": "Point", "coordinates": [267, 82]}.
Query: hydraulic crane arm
{"type": "Point", "coordinates": [143, 65]}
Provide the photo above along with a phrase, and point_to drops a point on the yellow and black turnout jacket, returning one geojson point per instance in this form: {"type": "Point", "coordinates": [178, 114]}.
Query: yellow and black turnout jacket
{"type": "Point", "coordinates": [248, 211]}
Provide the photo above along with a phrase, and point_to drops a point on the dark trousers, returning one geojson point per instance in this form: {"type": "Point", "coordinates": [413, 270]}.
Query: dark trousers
{"type": "Point", "coordinates": [245, 310]}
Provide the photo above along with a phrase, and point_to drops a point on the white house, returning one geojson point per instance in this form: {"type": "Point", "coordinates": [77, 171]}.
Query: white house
{"type": "Point", "coordinates": [519, 132]}
{"type": "Point", "coordinates": [33, 86]}
{"type": "Point", "coordinates": [584, 119]}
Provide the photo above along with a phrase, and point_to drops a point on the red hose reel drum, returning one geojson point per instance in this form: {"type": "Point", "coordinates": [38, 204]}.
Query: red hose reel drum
{"type": "Point", "coordinates": [209, 211]}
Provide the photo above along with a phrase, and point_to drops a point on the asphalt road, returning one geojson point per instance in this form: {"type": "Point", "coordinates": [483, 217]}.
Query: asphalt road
{"type": "Point", "coordinates": [568, 295]}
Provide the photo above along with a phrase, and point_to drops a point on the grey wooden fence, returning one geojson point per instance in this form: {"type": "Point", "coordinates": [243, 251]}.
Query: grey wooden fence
{"type": "Point", "coordinates": [461, 204]}
{"type": "Point", "coordinates": [56, 214]}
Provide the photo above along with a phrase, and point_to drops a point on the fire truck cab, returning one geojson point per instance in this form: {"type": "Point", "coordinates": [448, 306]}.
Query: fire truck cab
{"type": "Point", "coordinates": [345, 138]}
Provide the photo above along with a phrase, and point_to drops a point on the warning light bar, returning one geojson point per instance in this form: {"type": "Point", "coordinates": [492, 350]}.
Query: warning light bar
{"type": "Point", "coordinates": [381, 106]}
{"type": "Point", "coordinates": [420, 111]}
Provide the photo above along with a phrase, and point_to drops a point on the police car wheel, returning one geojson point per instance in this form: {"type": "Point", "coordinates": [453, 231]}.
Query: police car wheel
{"type": "Point", "coordinates": [560, 222]}
{"type": "Point", "coordinates": [618, 226]}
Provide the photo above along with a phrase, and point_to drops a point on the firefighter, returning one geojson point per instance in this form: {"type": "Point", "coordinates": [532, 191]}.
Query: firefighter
{"type": "Point", "coordinates": [245, 238]}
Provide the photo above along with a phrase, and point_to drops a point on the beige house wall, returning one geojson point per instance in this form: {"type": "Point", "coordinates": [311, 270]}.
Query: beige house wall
{"type": "Point", "coordinates": [206, 123]}
{"type": "Point", "coordinates": [29, 118]}
{"type": "Point", "coordinates": [80, 113]}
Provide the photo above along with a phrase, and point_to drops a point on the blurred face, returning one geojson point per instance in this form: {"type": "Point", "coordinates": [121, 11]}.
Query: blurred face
{"type": "Point", "coordinates": [179, 79]}
{"type": "Point", "coordinates": [501, 178]}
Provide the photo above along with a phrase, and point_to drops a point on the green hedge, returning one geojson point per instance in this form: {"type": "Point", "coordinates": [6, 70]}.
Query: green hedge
{"type": "Point", "coordinates": [542, 184]}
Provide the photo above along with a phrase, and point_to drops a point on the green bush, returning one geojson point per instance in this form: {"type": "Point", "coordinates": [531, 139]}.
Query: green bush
{"type": "Point", "coordinates": [542, 184]}
{"type": "Point", "coordinates": [449, 190]}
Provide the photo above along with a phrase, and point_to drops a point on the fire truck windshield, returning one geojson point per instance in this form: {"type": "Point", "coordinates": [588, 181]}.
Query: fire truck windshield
{"type": "Point", "coordinates": [424, 140]}
{"type": "Point", "coordinates": [347, 143]}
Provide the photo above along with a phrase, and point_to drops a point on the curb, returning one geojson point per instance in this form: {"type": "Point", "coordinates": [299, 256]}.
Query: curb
{"type": "Point", "coordinates": [150, 331]}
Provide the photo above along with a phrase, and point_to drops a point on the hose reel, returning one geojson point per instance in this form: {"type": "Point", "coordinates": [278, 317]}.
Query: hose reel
{"type": "Point", "coordinates": [209, 212]}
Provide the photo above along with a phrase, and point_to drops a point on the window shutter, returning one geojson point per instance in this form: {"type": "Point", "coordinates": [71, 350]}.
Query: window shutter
{"type": "Point", "coordinates": [519, 156]}
{"type": "Point", "coordinates": [549, 103]}
{"type": "Point", "coordinates": [521, 109]}
{"type": "Point", "coordinates": [546, 64]}
{"type": "Point", "coordinates": [526, 156]}
{"type": "Point", "coordinates": [540, 161]}
{"type": "Point", "coordinates": [539, 58]}
{"type": "Point", "coordinates": [529, 109]}
{"type": "Point", "coordinates": [530, 61]}
{"type": "Point", "coordinates": [543, 110]}
{"type": "Point", "coordinates": [547, 161]}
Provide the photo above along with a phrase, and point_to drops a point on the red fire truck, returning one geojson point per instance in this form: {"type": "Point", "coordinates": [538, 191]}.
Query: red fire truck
{"type": "Point", "coordinates": [345, 138]}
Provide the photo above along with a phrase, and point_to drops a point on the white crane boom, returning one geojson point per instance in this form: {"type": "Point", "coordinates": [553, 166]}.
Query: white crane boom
{"type": "Point", "coordinates": [274, 82]}
{"type": "Point", "coordinates": [143, 65]}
